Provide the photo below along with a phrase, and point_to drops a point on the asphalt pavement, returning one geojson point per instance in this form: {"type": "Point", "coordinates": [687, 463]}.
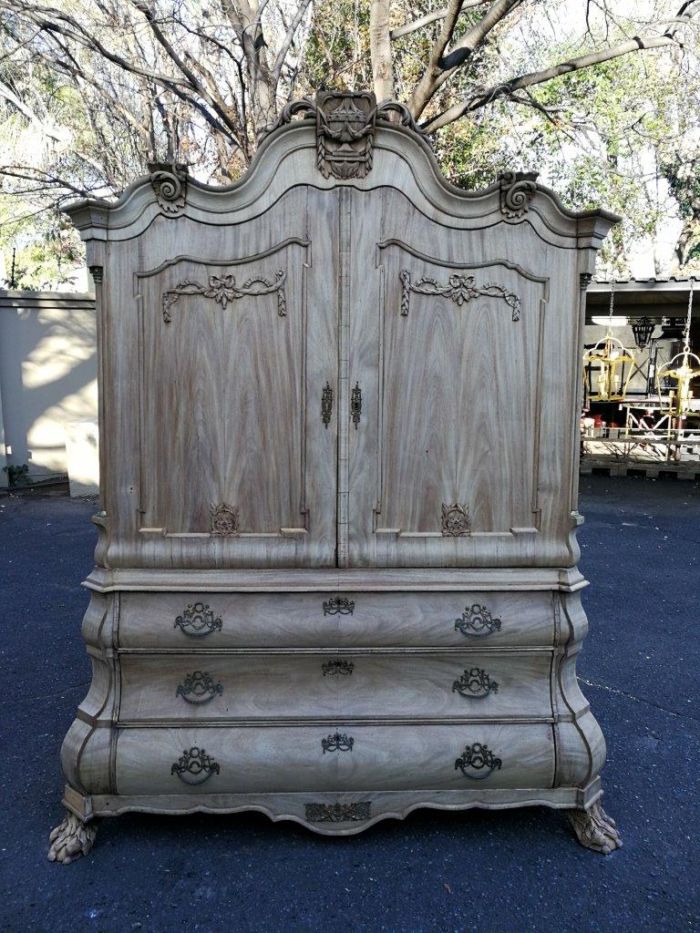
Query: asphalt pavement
{"type": "Point", "coordinates": [487, 872]}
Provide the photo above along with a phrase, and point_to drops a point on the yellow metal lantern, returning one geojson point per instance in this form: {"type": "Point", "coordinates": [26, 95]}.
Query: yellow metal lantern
{"type": "Point", "coordinates": [683, 368]}
{"type": "Point", "coordinates": [608, 382]}
{"type": "Point", "coordinates": [606, 379]}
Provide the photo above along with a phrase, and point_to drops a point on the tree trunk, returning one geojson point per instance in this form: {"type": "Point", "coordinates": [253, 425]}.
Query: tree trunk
{"type": "Point", "coordinates": [380, 49]}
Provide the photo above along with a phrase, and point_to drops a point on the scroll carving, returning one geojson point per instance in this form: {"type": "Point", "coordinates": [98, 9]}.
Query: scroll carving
{"type": "Point", "coordinates": [338, 812]}
{"type": "Point", "coordinates": [170, 185]}
{"type": "Point", "coordinates": [223, 289]}
{"type": "Point", "coordinates": [517, 189]}
{"type": "Point", "coordinates": [461, 289]}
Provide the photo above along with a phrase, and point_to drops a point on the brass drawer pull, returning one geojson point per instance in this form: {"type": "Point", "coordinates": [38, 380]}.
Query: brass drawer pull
{"type": "Point", "coordinates": [480, 759]}
{"type": "Point", "coordinates": [198, 620]}
{"type": "Point", "coordinates": [194, 766]}
{"type": "Point", "coordinates": [474, 684]}
{"type": "Point", "coordinates": [199, 688]}
{"type": "Point", "coordinates": [338, 605]}
{"type": "Point", "coordinates": [336, 667]}
{"type": "Point", "coordinates": [477, 620]}
{"type": "Point", "coordinates": [337, 743]}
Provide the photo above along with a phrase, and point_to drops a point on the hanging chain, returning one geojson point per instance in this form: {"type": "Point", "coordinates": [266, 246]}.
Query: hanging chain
{"type": "Point", "coordinates": [612, 300]}
{"type": "Point", "coordinates": [686, 331]}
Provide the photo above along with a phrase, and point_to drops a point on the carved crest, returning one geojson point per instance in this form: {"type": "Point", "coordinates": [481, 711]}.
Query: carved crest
{"type": "Point", "coordinates": [455, 520]}
{"type": "Point", "coordinates": [460, 288]}
{"type": "Point", "coordinates": [224, 520]}
{"type": "Point", "coordinates": [170, 185]}
{"type": "Point", "coordinates": [517, 188]}
{"type": "Point", "coordinates": [344, 133]}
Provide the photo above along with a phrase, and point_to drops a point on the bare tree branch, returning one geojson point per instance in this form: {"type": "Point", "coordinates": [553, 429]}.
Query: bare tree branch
{"type": "Point", "coordinates": [488, 95]}
{"type": "Point", "coordinates": [429, 18]}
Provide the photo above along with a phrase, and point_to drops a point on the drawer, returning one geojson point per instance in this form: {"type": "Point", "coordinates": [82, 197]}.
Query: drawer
{"type": "Point", "coordinates": [333, 758]}
{"type": "Point", "coordinates": [325, 620]}
{"type": "Point", "coordinates": [455, 684]}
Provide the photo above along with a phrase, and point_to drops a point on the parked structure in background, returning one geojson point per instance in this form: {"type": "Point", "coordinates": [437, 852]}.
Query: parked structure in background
{"type": "Point", "coordinates": [648, 422]}
{"type": "Point", "coordinates": [48, 389]}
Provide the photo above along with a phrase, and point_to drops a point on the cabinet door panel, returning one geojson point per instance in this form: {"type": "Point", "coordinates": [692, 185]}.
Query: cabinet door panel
{"type": "Point", "coordinates": [236, 458]}
{"type": "Point", "coordinates": [450, 358]}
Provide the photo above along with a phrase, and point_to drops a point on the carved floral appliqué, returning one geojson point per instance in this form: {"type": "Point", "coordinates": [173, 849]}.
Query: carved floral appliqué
{"type": "Point", "coordinates": [225, 522]}
{"type": "Point", "coordinates": [223, 289]}
{"type": "Point", "coordinates": [460, 288]}
{"type": "Point", "coordinates": [455, 520]}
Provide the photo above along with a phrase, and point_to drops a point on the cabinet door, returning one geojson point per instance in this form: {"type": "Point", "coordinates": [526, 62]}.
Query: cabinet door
{"type": "Point", "coordinates": [239, 370]}
{"type": "Point", "coordinates": [447, 350]}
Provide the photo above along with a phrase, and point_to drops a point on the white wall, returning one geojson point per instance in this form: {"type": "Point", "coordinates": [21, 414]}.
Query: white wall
{"type": "Point", "coordinates": [48, 375]}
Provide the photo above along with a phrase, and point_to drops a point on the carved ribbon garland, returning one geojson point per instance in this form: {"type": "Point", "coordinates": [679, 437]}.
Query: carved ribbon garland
{"type": "Point", "coordinates": [461, 289]}
{"type": "Point", "coordinates": [223, 289]}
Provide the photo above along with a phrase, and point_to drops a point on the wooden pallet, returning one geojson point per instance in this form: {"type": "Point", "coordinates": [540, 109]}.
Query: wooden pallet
{"type": "Point", "coordinates": [609, 466]}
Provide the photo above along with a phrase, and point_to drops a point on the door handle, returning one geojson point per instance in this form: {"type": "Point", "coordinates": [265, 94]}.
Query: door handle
{"type": "Point", "coordinates": [326, 404]}
{"type": "Point", "coordinates": [356, 404]}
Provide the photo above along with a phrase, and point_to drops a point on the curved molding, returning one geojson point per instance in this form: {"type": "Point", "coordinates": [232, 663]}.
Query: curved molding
{"type": "Point", "coordinates": [395, 805]}
{"type": "Point", "coordinates": [454, 264]}
{"type": "Point", "coordinates": [197, 260]}
{"type": "Point", "coordinates": [287, 157]}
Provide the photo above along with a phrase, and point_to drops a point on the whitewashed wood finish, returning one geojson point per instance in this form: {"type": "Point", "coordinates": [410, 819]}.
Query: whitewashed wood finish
{"type": "Point", "coordinates": [376, 686]}
{"type": "Point", "coordinates": [470, 403]}
{"type": "Point", "coordinates": [298, 620]}
{"type": "Point", "coordinates": [291, 759]}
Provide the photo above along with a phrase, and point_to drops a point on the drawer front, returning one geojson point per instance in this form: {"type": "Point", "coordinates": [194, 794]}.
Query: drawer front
{"type": "Point", "coordinates": [333, 758]}
{"type": "Point", "coordinates": [456, 684]}
{"type": "Point", "coordinates": [297, 620]}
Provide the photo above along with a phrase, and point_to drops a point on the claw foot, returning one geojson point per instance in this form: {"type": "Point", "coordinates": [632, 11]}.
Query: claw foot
{"type": "Point", "coordinates": [71, 839]}
{"type": "Point", "coordinates": [595, 829]}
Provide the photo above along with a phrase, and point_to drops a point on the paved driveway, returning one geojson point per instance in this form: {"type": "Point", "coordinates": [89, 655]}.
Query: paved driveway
{"type": "Point", "coordinates": [475, 871]}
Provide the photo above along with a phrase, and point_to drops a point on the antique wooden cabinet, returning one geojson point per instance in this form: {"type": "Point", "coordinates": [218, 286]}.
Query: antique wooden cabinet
{"type": "Point", "coordinates": [336, 573]}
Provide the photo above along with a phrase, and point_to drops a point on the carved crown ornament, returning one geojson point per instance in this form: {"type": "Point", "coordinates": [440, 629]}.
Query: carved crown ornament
{"type": "Point", "coordinates": [345, 126]}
